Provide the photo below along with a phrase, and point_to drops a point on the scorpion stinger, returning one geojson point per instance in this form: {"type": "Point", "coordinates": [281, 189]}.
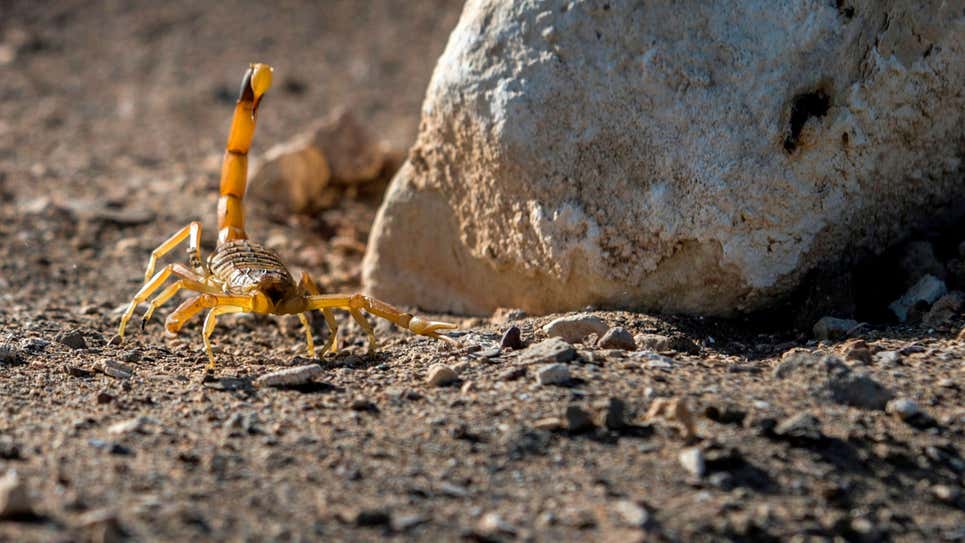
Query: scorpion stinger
{"type": "Point", "coordinates": [242, 276]}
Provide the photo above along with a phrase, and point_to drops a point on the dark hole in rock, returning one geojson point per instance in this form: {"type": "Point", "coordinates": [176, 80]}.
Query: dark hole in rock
{"type": "Point", "coordinates": [805, 106]}
{"type": "Point", "coordinates": [845, 10]}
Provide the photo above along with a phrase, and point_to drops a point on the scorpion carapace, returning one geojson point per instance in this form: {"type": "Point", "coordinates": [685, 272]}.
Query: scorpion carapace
{"type": "Point", "coordinates": [241, 276]}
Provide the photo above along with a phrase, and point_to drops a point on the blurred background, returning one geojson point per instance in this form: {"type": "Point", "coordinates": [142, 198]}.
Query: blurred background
{"type": "Point", "coordinates": [125, 107]}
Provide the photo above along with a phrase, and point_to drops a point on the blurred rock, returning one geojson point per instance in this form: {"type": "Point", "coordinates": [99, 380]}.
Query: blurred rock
{"type": "Point", "coordinates": [575, 328]}
{"type": "Point", "coordinates": [927, 290]}
{"type": "Point", "coordinates": [314, 169]}
{"type": "Point", "coordinates": [944, 308]}
{"type": "Point", "coordinates": [617, 338]}
{"type": "Point", "coordinates": [14, 496]}
{"type": "Point", "coordinates": [833, 328]}
{"type": "Point", "coordinates": [553, 374]}
{"type": "Point", "coordinates": [441, 375]}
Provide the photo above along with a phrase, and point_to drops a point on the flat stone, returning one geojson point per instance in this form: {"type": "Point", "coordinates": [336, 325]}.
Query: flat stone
{"type": "Point", "coordinates": [575, 328]}
{"type": "Point", "coordinates": [289, 376]}
{"type": "Point", "coordinates": [617, 338]}
{"type": "Point", "coordinates": [115, 369]}
{"type": "Point", "coordinates": [441, 375]}
{"type": "Point", "coordinates": [548, 351]}
{"type": "Point", "coordinates": [553, 374]}
{"type": "Point", "coordinates": [927, 290]}
{"type": "Point", "coordinates": [801, 429]}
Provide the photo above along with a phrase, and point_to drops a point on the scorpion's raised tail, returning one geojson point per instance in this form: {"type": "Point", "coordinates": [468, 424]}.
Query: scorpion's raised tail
{"type": "Point", "coordinates": [234, 169]}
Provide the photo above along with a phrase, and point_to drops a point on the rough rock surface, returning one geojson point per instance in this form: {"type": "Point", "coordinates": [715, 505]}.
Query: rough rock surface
{"type": "Point", "coordinates": [696, 157]}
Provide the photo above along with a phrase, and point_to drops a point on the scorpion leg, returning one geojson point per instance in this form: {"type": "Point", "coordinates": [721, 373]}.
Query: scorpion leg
{"type": "Point", "coordinates": [192, 231]}
{"type": "Point", "coordinates": [209, 323]}
{"type": "Point", "coordinates": [218, 304]}
{"type": "Point", "coordinates": [331, 346]}
{"type": "Point", "coordinates": [308, 334]}
{"type": "Point", "coordinates": [153, 284]}
{"type": "Point", "coordinates": [188, 282]}
{"type": "Point", "coordinates": [355, 302]}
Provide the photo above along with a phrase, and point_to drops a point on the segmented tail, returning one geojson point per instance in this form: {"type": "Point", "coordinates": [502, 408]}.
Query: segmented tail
{"type": "Point", "coordinates": [234, 169]}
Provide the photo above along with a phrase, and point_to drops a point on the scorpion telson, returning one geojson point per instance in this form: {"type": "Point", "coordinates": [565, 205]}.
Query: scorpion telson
{"type": "Point", "coordinates": [241, 276]}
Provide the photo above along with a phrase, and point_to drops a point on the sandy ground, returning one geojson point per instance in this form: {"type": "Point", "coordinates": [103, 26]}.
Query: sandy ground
{"type": "Point", "coordinates": [112, 122]}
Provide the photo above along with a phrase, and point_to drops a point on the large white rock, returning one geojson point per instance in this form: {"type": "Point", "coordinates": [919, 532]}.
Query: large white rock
{"type": "Point", "coordinates": [682, 156]}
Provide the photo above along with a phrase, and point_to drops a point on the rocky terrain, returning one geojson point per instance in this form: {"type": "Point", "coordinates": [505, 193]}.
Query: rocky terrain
{"type": "Point", "coordinates": [592, 425]}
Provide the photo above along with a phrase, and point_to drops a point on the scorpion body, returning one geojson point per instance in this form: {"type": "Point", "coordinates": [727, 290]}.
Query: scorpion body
{"type": "Point", "coordinates": [244, 276]}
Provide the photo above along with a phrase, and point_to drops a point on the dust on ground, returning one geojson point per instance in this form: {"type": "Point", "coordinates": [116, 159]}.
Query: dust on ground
{"type": "Point", "coordinates": [112, 123]}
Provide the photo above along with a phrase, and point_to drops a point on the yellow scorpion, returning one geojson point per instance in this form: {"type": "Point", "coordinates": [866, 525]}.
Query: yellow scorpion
{"type": "Point", "coordinates": [241, 276]}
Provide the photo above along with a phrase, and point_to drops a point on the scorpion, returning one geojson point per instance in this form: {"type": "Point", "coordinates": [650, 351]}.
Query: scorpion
{"type": "Point", "coordinates": [241, 276]}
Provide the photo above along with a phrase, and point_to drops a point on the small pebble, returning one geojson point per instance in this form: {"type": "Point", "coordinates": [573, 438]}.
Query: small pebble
{"type": "Point", "coordinates": [553, 374]}
{"type": "Point", "coordinates": [73, 339]}
{"type": "Point", "coordinates": [511, 374]}
{"type": "Point", "coordinates": [512, 339]}
{"type": "Point", "coordinates": [574, 328]}
{"type": "Point", "coordinates": [548, 351]}
{"type": "Point", "coordinates": [34, 344]}
{"type": "Point", "coordinates": [614, 414]}
{"type": "Point", "coordinates": [833, 328]}
{"type": "Point", "coordinates": [104, 397]}
{"type": "Point", "coordinates": [945, 493]}
{"type": "Point", "coordinates": [115, 369]}
{"type": "Point", "coordinates": [363, 404]}
{"type": "Point", "coordinates": [14, 496]}
{"type": "Point", "coordinates": [441, 375]}
{"type": "Point", "coordinates": [903, 408]}
{"type": "Point", "coordinates": [617, 338]}
{"type": "Point", "coordinates": [692, 459]}
{"type": "Point", "coordinates": [578, 420]}
{"type": "Point", "coordinates": [290, 376]}
{"type": "Point", "coordinates": [137, 424]}
{"type": "Point", "coordinates": [888, 358]}
{"type": "Point", "coordinates": [492, 524]}
{"type": "Point", "coordinates": [77, 371]}
{"type": "Point", "coordinates": [631, 513]}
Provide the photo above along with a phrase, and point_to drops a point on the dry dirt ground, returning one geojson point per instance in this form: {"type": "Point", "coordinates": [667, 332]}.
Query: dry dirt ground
{"type": "Point", "coordinates": [112, 121]}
